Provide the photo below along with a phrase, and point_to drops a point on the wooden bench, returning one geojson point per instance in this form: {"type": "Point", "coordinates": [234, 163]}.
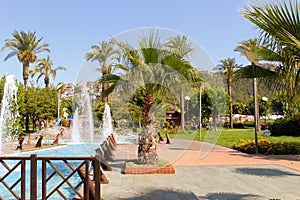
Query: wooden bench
{"type": "Point", "coordinates": [55, 142]}
{"type": "Point", "coordinates": [39, 142]}
{"type": "Point", "coordinates": [105, 166]}
{"type": "Point", "coordinates": [20, 145]}
{"type": "Point", "coordinates": [90, 179]}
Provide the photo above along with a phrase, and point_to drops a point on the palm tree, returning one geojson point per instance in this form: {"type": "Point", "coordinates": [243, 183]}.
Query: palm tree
{"type": "Point", "coordinates": [248, 49]}
{"type": "Point", "coordinates": [179, 46]}
{"type": "Point", "coordinates": [44, 68]}
{"type": "Point", "coordinates": [153, 70]}
{"type": "Point", "coordinates": [106, 55]}
{"type": "Point", "coordinates": [278, 24]}
{"type": "Point", "coordinates": [26, 47]}
{"type": "Point", "coordinates": [227, 68]}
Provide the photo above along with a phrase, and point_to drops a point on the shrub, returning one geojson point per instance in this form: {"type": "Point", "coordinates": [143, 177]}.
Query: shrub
{"type": "Point", "coordinates": [240, 125]}
{"type": "Point", "coordinates": [267, 147]}
{"type": "Point", "coordinates": [285, 127]}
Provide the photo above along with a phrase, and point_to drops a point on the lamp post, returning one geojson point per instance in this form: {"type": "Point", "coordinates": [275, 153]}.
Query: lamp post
{"type": "Point", "coordinates": [59, 87]}
{"type": "Point", "coordinates": [200, 111]}
{"type": "Point", "coordinates": [265, 99]}
{"type": "Point", "coordinates": [187, 98]}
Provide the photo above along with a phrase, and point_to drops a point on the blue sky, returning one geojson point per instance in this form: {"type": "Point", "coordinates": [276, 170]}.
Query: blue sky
{"type": "Point", "coordinates": [72, 27]}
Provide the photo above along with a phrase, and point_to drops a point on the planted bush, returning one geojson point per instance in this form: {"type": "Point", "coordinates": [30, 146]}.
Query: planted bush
{"type": "Point", "coordinates": [267, 147]}
{"type": "Point", "coordinates": [285, 127]}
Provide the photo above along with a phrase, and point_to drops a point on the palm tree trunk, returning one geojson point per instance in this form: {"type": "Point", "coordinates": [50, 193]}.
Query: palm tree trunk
{"type": "Point", "coordinates": [182, 120]}
{"type": "Point", "coordinates": [25, 79]}
{"type": "Point", "coordinates": [230, 103]}
{"type": "Point", "coordinates": [47, 81]}
{"type": "Point", "coordinates": [105, 86]}
{"type": "Point", "coordinates": [147, 149]}
{"type": "Point", "coordinates": [257, 108]}
{"type": "Point", "coordinates": [25, 73]}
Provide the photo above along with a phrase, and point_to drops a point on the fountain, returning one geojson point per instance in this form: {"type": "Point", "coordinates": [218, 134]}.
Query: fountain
{"type": "Point", "coordinates": [107, 128]}
{"type": "Point", "coordinates": [75, 136]}
{"type": "Point", "coordinates": [83, 123]}
{"type": "Point", "coordinates": [9, 113]}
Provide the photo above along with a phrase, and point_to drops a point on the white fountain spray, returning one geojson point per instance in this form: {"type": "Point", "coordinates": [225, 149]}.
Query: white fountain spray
{"type": "Point", "coordinates": [75, 137]}
{"type": "Point", "coordinates": [83, 122]}
{"type": "Point", "coordinates": [107, 128]}
{"type": "Point", "coordinates": [9, 111]}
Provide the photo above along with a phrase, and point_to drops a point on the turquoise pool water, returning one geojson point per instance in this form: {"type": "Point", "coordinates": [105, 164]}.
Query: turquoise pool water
{"type": "Point", "coordinates": [68, 150]}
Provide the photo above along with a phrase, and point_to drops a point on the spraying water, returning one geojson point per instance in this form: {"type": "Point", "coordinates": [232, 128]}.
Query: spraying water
{"type": "Point", "coordinates": [9, 112]}
{"type": "Point", "coordinates": [83, 123]}
{"type": "Point", "coordinates": [75, 137]}
{"type": "Point", "coordinates": [106, 123]}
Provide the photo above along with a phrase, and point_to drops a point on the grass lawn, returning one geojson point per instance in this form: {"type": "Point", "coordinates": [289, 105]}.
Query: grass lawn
{"type": "Point", "coordinates": [228, 137]}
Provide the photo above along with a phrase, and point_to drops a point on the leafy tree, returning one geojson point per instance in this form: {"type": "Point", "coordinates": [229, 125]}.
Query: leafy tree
{"type": "Point", "coordinates": [44, 68]}
{"type": "Point", "coordinates": [238, 108]}
{"type": "Point", "coordinates": [279, 102]}
{"type": "Point", "coordinates": [37, 103]}
{"type": "Point", "coordinates": [227, 68]}
{"type": "Point", "coordinates": [2, 83]}
{"type": "Point", "coordinates": [26, 47]}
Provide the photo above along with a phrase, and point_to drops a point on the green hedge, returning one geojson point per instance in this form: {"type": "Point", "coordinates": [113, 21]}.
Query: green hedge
{"type": "Point", "coordinates": [285, 127]}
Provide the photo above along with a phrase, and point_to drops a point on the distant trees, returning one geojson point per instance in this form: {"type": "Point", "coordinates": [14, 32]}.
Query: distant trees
{"type": "Point", "coordinates": [107, 56]}
{"type": "Point", "coordinates": [227, 68]}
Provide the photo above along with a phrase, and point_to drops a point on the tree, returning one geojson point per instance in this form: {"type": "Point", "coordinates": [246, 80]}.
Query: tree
{"type": "Point", "coordinates": [280, 47]}
{"type": "Point", "coordinates": [227, 69]}
{"type": "Point", "coordinates": [26, 47]}
{"type": "Point", "coordinates": [154, 71]}
{"type": "Point", "coordinates": [106, 55]}
{"type": "Point", "coordinates": [44, 68]}
{"type": "Point", "coordinates": [37, 103]}
{"type": "Point", "coordinates": [248, 49]}
{"type": "Point", "coordinates": [179, 46]}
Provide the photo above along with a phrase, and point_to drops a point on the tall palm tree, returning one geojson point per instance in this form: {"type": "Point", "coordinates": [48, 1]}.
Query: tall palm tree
{"type": "Point", "coordinates": [153, 70]}
{"type": "Point", "coordinates": [44, 68]}
{"type": "Point", "coordinates": [26, 46]}
{"type": "Point", "coordinates": [278, 23]}
{"type": "Point", "coordinates": [227, 69]}
{"type": "Point", "coordinates": [106, 55]}
{"type": "Point", "coordinates": [179, 46]}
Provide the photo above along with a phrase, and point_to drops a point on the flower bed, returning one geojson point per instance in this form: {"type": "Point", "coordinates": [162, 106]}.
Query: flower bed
{"type": "Point", "coordinates": [267, 147]}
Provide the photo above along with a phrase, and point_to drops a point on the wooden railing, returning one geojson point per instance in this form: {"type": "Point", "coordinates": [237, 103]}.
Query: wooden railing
{"type": "Point", "coordinates": [84, 165]}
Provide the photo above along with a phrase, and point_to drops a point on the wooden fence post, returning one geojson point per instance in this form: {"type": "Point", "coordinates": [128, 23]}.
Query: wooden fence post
{"type": "Point", "coordinates": [33, 177]}
{"type": "Point", "coordinates": [23, 179]}
{"type": "Point", "coordinates": [97, 176]}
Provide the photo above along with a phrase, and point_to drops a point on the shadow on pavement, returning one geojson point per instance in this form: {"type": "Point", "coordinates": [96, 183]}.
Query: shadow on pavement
{"type": "Point", "coordinates": [227, 196]}
{"type": "Point", "coordinates": [164, 194]}
{"type": "Point", "coordinates": [265, 172]}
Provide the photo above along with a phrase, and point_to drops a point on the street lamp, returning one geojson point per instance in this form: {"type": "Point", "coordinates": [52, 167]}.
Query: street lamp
{"type": "Point", "coordinates": [200, 110]}
{"type": "Point", "coordinates": [187, 98]}
{"type": "Point", "coordinates": [265, 99]}
{"type": "Point", "coordinates": [59, 87]}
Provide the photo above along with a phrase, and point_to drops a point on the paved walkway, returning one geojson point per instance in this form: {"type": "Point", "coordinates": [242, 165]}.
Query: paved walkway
{"type": "Point", "coordinates": [205, 171]}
